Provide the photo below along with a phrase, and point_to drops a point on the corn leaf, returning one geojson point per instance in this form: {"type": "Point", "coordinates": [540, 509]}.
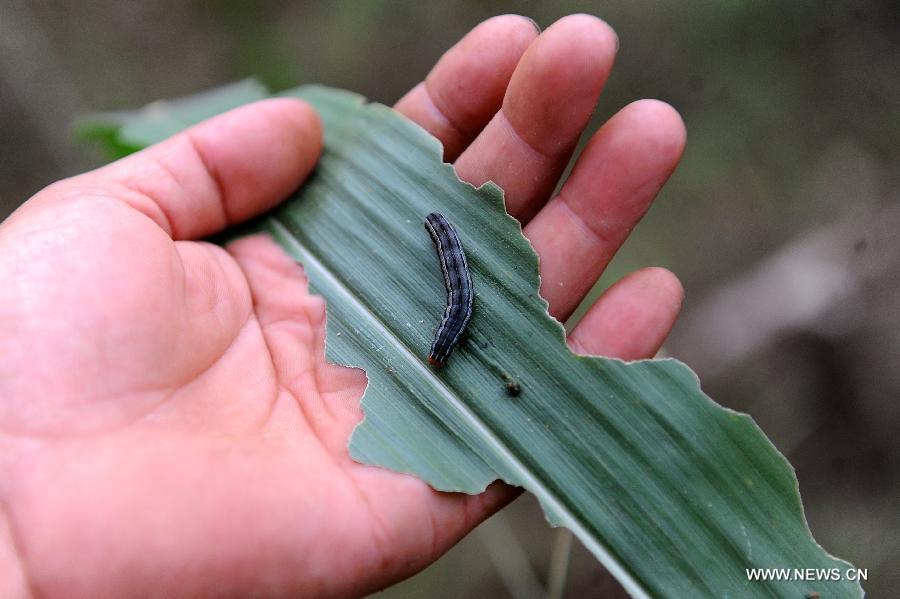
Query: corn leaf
{"type": "Point", "coordinates": [675, 495]}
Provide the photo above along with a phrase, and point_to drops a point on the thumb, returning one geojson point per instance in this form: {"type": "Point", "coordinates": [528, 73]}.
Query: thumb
{"type": "Point", "coordinates": [221, 172]}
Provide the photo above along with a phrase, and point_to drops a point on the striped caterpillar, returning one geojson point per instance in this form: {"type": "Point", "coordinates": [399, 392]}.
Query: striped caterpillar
{"type": "Point", "coordinates": [457, 280]}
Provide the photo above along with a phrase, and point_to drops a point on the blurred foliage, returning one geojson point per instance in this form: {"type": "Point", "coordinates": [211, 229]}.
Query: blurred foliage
{"type": "Point", "coordinates": [793, 123]}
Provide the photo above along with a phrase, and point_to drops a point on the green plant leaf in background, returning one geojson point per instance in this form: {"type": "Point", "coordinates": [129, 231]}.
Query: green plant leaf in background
{"type": "Point", "coordinates": [675, 495]}
{"type": "Point", "coordinates": [120, 133]}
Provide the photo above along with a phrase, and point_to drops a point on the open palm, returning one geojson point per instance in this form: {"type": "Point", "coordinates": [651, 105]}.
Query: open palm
{"type": "Point", "coordinates": [168, 423]}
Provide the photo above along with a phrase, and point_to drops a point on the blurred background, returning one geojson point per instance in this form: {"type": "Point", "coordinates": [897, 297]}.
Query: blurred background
{"type": "Point", "coordinates": [782, 220]}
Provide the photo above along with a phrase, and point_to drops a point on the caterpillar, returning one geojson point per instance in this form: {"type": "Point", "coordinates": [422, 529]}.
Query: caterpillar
{"type": "Point", "coordinates": [457, 280]}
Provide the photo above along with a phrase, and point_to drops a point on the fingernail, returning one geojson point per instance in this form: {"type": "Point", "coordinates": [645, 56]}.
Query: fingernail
{"type": "Point", "coordinates": [534, 24]}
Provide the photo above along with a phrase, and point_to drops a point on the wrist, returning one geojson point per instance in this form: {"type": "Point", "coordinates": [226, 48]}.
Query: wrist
{"type": "Point", "coordinates": [13, 583]}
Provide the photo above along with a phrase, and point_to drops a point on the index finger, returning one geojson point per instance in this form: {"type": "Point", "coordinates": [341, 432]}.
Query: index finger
{"type": "Point", "coordinates": [465, 88]}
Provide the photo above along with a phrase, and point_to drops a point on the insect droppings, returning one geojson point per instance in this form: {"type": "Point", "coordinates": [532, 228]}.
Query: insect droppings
{"type": "Point", "coordinates": [513, 388]}
{"type": "Point", "coordinates": [457, 280]}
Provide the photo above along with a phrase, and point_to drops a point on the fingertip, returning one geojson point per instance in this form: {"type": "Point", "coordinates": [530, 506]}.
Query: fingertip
{"type": "Point", "coordinates": [632, 318]}
{"type": "Point", "coordinates": [292, 125]}
{"type": "Point", "coordinates": [590, 25]}
{"type": "Point", "coordinates": [586, 36]}
{"type": "Point", "coordinates": [534, 24]}
{"type": "Point", "coordinates": [300, 118]}
{"type": "Point", "coordinates": [639, 146]}
{"type": "Point", "coordinates": [659, 124]}
{"type": "Point", "coordinates": [515, 29]}
{"type": "Point", "coordinates": [308, 132]}
{"type": "Point", "coordinates": [491, 51]}
{"type": "Point", "coordinates": [259, 153]}
{"type": "Point", "coordinates": [558, 81]}
{"type": "Point", "coordinates": [662, 283]}
{"type": "Point", "coordinates": [465, 88]}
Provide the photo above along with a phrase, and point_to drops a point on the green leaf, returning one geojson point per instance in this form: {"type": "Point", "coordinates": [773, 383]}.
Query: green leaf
{"type": "Point", "coordinates": [121, 133]}
{"type": "Point", "coordinates": [676, 495]}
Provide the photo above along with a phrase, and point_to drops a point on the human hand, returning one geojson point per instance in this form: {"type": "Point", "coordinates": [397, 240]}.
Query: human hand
{"type": "Point", "coordinates": [168, 423]}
